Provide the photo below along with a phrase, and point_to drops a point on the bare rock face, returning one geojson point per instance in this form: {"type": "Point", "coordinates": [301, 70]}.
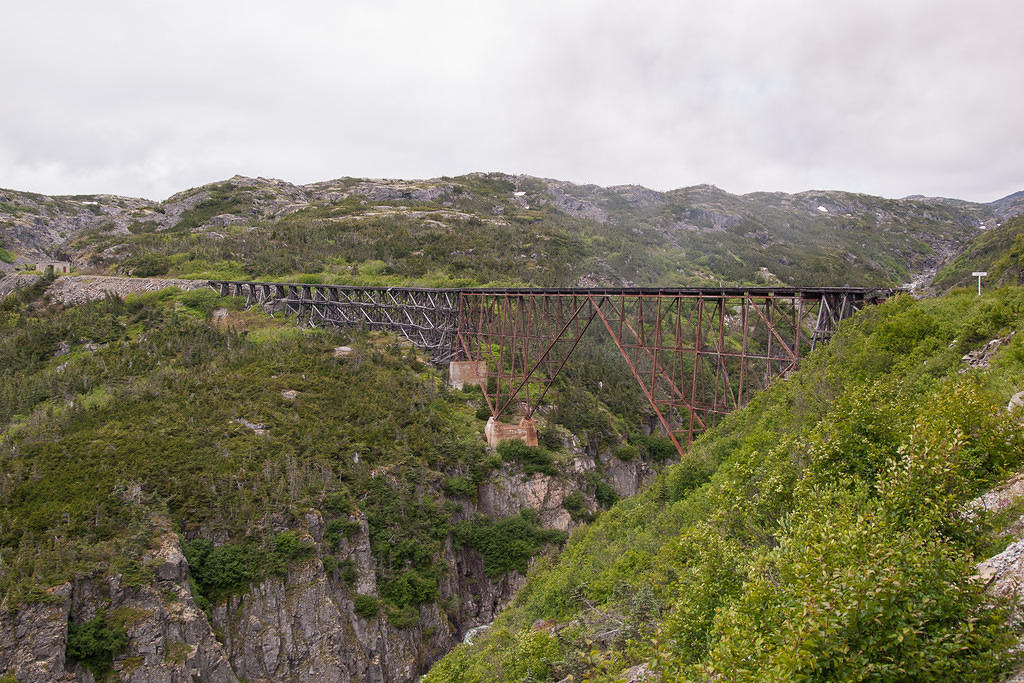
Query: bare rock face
{"type": "Point", "coordinates": [1003, 574]}
{"type": "Point", "coordinates": [573, 204]}
{"type": "Point", "coordinates": [33, 640]}
{"type": "Point", "coordinates": [981, 358]}
{"type": "Point", "coordinates": [303, 627]}
{"type": "Point", "coordinates": [10, 283]}
{"type": "Point", "coordinates": [170, 638]}
{"type": "Point", "coordinates": [510, 494]}
{"type": "Point", "coordinates": [628, 477]}
{"type": "Point", "coordinates": [77, 289]}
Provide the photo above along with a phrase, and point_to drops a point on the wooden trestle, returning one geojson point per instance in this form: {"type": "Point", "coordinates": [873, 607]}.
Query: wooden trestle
{"type": "Point", "coordinates": [697, 353]}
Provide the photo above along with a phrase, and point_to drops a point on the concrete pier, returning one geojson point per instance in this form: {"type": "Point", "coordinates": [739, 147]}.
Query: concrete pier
{"type": "Point", "coordinates": [463, 372]}
{"type": "Point", "coordinates": [496, 432]}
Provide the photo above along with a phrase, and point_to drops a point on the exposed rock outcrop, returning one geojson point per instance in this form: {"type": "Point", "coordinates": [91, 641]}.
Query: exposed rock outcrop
{"type": "Point", "coordinates": [78, 289]}
{"type": "Point", "coordinates": [12, 282]}
{"type": "Point", "coordinates": [169, 637]}
{"type": "Point", "coordinates": [302, 625]}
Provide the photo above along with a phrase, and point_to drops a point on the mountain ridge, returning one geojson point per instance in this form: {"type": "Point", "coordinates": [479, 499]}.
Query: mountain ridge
{"type": "Point", "coordinates": [440, 230]}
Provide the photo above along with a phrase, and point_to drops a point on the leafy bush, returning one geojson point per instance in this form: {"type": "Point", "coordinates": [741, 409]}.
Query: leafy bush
{"type": "Point", "coordinates": [219, 571]}
{"type": "Point", "coordinates": [575, 504]}
{"type": "Point", "coordinates": [206, 301]}
{"type": "Point", "coordinates": [891, 605]}
{"type": "Point", "coordinates": [402, 617]}
{"type": "Point", "coordinates": [460, 487]}
{"type": "Point", "coordinates": [94, 643]}
{"type": "Point", "coordinates": [533, 459]}
{"type": "Point", "coordinates": [657, 448]}
{"type": "Point", "coordinates": [336, 529]}
{"type": "Point", "coordinates": [146, 265]}
{"type": "Point", "coordinates": [506, 544]}
{"type": "Point", "coordinates": [626, 452]}
{"type": "Point", "coordinates": [347, 569]}
{"type": "Point", "coordinates": [549, 439]}
{"type": "Point", "coordinates": [366, 606]}
{"type": "Point", "coordinates": [604, 493]}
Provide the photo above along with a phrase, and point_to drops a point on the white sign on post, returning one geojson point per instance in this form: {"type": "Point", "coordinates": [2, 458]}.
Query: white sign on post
{"type": "Point", "coordinates": [979, 274]}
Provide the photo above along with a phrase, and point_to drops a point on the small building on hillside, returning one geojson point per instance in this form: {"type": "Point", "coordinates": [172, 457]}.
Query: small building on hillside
{"type": "Point", "coordinates": [57, 266]}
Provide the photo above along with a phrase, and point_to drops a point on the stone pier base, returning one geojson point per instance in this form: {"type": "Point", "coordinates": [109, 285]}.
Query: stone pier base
{"type": "Point", "coordinates": [463, 372]}
{"type": "Point", "coordinates": [525, 431]}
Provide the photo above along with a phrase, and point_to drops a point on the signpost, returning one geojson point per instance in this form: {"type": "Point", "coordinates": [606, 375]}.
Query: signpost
{"type": "Point", "coordinates": [979, 274]}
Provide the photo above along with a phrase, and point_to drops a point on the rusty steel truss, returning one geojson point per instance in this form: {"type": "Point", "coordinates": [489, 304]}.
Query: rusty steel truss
{"type": "Point", "coordinates": [425, 317]}
{"type": "Point", "coordinates": [696, 353]}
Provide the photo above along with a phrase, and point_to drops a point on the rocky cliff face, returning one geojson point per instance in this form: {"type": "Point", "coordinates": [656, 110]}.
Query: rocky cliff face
{"type": "Point", "coordinates": [170, 638]}
{"type": "Point", "coordinates": [302, 626]}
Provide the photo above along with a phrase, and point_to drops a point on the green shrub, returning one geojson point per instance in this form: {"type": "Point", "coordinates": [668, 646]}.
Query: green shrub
{"type": "Point", "coordinates": [366, 606]}
{"type": "Point", "coordinates": [575, 505]}
{"type": "Point", "coordinates": [347, 570]}
{"type": "Point", "coordinates": [146, 265]}
{"type": "Point", "coordinates": [891, 604]}
{"type": "Point", "coordinates": [506, 544]}
{"type": "Point", "coordinates": [411, 587]}
{"type": "Point", "coordinates": [657, 448]}
{"type": "Point", "coordinates": [219, 571]}
{"type": "Point", "coordinates": [533, 459]}
{"type": "Point", "coordinates": [285, 548]}
{"type": "Point", "coordinates": [338, 503]}
{"type": "Point", "coordinates": [549, 439]}
{"type": "Point", "coordinates": [459, 486]}
{"type": "Point", "coordinates": [205, 300]}
{"type": "Point", "coordinates": [626, 452]}
{"type": "Point", "coordinates": [402, 617]}
{"type": "Point", "coordinates": [573, 502]}
{"type": "Point", "coordinates": [336, 529]}
{"type": "Point", "coordinates": [94, 643]}
{"type": "Point", "coordinates": [604, 493]}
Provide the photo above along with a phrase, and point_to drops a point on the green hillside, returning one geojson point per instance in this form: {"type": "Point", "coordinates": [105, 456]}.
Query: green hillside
{"type": "Point", "coordinates": [817, 534]}
{"type": "Point", "coordinates": [476, 230]}
{"type": "Point", "coordinates": [122, 419]}
{"type": "Point", "coordinates": [999, 252]}
{"type": "Point", "coordinates": [481, 229]}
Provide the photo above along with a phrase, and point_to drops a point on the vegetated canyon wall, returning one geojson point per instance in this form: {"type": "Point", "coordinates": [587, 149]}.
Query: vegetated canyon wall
{"type": "Point", "coordinates": [303, 625]}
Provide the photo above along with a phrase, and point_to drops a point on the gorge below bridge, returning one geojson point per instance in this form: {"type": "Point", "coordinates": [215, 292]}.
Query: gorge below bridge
{"type": "Point", "coordinates": [697, 352]}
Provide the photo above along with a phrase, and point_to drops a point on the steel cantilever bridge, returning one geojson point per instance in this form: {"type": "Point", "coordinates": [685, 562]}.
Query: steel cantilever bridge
{"type": "Point", "coordinates": [697, 353]}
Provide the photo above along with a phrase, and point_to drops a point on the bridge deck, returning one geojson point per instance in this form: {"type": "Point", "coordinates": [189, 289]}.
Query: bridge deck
{"type": "Point", "coordinates": [696, 352]}
{"type": "Point", "coordinates": [805, 292]}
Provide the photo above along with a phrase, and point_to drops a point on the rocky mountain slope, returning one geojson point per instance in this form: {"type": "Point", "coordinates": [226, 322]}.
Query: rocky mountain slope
{"type": "Point", "coordinates": [194, 491]}
{"type": "Point", "coordinates": [999, 252]}
{"type": "Point", "coordinates": [824, 532]}
{"type": "Point", "coordinates": [495, 228]}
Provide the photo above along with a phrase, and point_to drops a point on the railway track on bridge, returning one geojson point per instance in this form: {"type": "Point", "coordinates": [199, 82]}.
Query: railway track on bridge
{"type": "Point", "coordinates": [696, 352]}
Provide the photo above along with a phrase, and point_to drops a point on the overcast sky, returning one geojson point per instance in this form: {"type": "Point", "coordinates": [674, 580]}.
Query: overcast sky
{"type": "Point", "coordinates": [889, 97]}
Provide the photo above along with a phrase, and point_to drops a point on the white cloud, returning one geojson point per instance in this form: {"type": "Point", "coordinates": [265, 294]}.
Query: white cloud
{"type": "Point", "coordinates": [892, 98]}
